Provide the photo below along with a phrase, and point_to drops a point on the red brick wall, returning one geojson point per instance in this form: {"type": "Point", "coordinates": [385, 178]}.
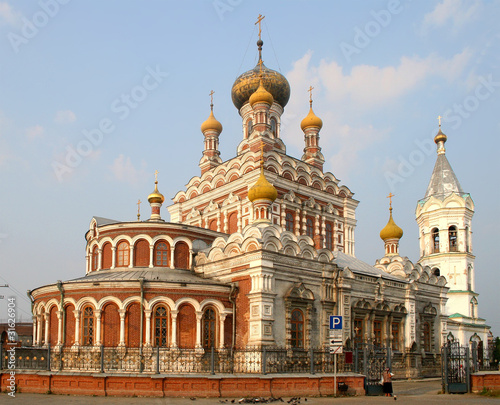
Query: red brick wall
{"type": "Point", "coordinates": [141, 253]}
{"type": "Point", "coordinates": [133, 321]}
{"type": "Point", "coordinates": [186, 327]}
{"type": "Point", "coordinates": [54, 326]}
{"type": "Point", "coordinates": [485, 380]}
{"type": "Point", "coordinates": [110, 326]}
{"type": "Point", "coordinates": [213, 225]}
{"type": "Point", "coordinates": [181, 256]}
{"type": "Point", "coordinates": [233, 222]}
{"type": "Point", "coordinates": [148, 386]}
{"type": "Point", "coordinates": [70, 325]}
{"type": "Point", "coordinates": [242, 311]}
{"type": "Point", "coordinates": [106, 256]}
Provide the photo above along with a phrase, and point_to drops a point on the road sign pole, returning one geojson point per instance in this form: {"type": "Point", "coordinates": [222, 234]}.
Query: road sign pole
{"type": "Point", "coordinates": [335, 375]}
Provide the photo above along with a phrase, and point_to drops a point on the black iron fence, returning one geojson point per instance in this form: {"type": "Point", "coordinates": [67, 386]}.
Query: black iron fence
{"type": "Point", "coordinates": [261, 360]}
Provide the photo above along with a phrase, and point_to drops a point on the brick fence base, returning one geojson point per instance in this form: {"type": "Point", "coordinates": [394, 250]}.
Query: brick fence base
{"type": "Point", "coordinates": [489, 380]}
{"type": "Point", "coordinates": [181, 386]}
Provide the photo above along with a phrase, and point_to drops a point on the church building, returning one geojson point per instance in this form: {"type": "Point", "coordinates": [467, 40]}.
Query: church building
{"type": "Point", "coordinates": [260, 251]}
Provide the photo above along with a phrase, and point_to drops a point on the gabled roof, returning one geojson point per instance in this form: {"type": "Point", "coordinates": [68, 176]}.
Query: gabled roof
{"type": "Point", "coordinates": [105, 221]}
{"type": "Point", "coordinates": [358, 266]}
{"type": "Point", "coordinates": [443, 180]}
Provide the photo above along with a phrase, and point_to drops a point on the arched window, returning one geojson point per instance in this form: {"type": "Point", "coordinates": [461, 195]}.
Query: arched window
{"type": "Point", "coordinates": [95, 258]}
{"type": "Point", "coordinates": [289, 222]}
{"type": "Point", "coordinates": [452, 238]}
{"type": "Point", "coordinates": [161, 326]}
{"type": "Point", "coordinates": [274, 127]}
{"type": "Point", "coordinates": [161, 254]}
{"type": "Point", "coordinates": [467, 240]}
{"type": "Point", "coordinates": [249, 127]}
{"type": "Point", "coordinates": [435, 240]}
{"type": "Point", "coordinates": [209, 328]}
{"type": "Point", "coordinates": [297, 328]}
{"type": "Point", "coordinates": [329, 236]}
{"type": "Point", "coordinates": [88, 326]}
{"type": "Point", "coordinates": [181, 256]}
{"type": "Point", "coordinates": [427, 336]}
{"type": "Point", "coordinates": [377, 331]}
{"type": "Point", "coordinates": [309, 227]}
{"type": "Point", "coordinates": [395, 335]}
{"type": "Point", "coordinates": [436, 271]}
{"type": "Point", "coordinates": [122, 255]}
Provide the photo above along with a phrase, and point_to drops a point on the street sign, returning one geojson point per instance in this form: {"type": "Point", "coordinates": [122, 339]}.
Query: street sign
{"type": "Point", "coordinates": [336, 322]}
{"type": "Point", "coordinates": [335, 333]}
{"type": "Point", "coordinates": [336, 349]}
{"type": "Point", "coordinates": [335, 342]}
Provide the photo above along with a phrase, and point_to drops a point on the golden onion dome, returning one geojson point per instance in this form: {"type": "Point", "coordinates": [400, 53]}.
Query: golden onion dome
{"type": "Point", "coordinates": [391, 230]}
{"type": "Point", "coordinates": [156, 196]}
{"type": "Point", "coordinates": [440, 137]}
{"type": "Point", "coordinates": [211, 123]}
{"type": "Point", "coordinates": [261, 95]}
{"type": "Point", "coordinates": [247, 83]}
{"type": "Point", "coordinates": [311, 120]}
{"type": "Point", "coordinates": [262, 189]}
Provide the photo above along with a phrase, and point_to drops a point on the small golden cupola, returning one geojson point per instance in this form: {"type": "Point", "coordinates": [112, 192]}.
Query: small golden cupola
{"type": "Point", "coordinates": [311, 120]}
{"type": "Point", "coordinates": [262, 195]}
{"type": "Point", "coordinates": [391, 233]}
{"type": "Point", "coordinates": [156, 199]}
{"type": "Point", "coordinates": [211, 129]}
{"type": "Point", "coordinates": [261, 95]}
{"type": "Point", "coordinates": [211, 123]}
{"type": "Point", "coordinates": [311, 125]}
{"type": "Point", "coordinates": [440, 139]}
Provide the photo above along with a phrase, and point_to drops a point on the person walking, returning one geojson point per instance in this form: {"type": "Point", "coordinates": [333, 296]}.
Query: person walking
{"type": "Point", "coordinates": [387, 382]}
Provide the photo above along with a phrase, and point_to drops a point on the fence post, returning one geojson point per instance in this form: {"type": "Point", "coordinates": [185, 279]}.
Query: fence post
{"type": "Point", "coordinates": [356, 367]}
{"type": "Point", "coordinates": [389, 355]}
{"type": "Point", "coordinates": [312, 360]}
{"type": "Point", "coordinates": [474, 357]}
{"type": "Point", "coordinates": [158, 359]}
{"type": "Point", "coordinates": [61, 357]}
{"type": "Point", "coordinates": [48, 357]}
{"type": "Point", "coordinates": [467, 370]}
{"type": "Point", "coordinates": [212, 361]}
{"type": "Point", "coordinates": [102, 358]}
{"type": "Point", "coordinates": [264, 360]}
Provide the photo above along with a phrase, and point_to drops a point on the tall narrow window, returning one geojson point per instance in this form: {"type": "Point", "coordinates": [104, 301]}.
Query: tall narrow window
{"type": "Point", "coordinates": [358, 331]}
{"type": "Point", "coordinates": [309, 227]}
{"type": "Point", "coordinates": [427, 336]}
{"type": "Point", "coordinates": [377, 331]}
{"type": "Point", "coordinates": [329, 236]}
{"type": "Point", "coordinates": [161, 326]}
{"type": "Point", "coordinates": [88, 326]}
{"type": "Point", "coordinates": [95, 258]}
{"type": "Point", "coordinates": [435, 240]}
{"type": "Point", "coordinates": [122, 255]}
{"type": "Point", "coordinates": [273, 127]}
{"type": "Point", "coordinates": [395, 335]}
{"type": "Point", "coordinates": [209, 328]}
{"type": "Point", "coordinates": [249, 127]}
{"type": "Point", "coordinates": [452, 236]}
{"type": "Point", "coordinates": [289, 222]}
{"type": "Point", "coordinates": [297, 328]}
{"type": "Point", "coordinates": [161, 254]}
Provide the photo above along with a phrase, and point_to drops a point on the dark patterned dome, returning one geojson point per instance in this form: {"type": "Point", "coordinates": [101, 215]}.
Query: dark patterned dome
{"type": "Point", "coordinates": [247, 83]}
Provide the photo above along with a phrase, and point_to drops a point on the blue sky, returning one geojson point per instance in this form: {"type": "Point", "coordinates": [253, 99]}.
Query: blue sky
{"type": "Point", "coordinates": [135, 77]}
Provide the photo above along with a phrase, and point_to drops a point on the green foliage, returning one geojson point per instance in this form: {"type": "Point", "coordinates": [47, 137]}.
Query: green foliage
{"type": "Point", "coordinates": [496, 350]}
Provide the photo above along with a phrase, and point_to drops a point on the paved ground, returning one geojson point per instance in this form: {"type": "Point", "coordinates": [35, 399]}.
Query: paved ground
{"type": "Point", "coordinates": [421, 392]}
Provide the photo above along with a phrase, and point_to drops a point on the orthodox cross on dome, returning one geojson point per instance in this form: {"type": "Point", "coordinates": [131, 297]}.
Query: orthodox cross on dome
{"type": "Point", "coordinates": [390, 200]}
{"type": "Point", "coordinates": [439, 120]}
{"type": "Point", "coordinates": [310, 90]}
{"type": "Point", "coordinates": [211, 94]}
{"type": "Point", "coordinates": [156, 176]}
{"type": "Point", "coordinates": [139, 209]}
{"type": "Point", "coordinates": [259, 19]}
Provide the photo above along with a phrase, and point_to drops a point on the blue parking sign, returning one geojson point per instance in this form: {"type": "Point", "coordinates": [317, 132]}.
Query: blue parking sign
{"type": "Point", "coordinates": [335, 322]}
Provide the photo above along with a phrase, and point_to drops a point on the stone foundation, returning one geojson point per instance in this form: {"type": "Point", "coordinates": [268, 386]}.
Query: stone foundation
{"type": "Point", "coordinates": [44, 382]}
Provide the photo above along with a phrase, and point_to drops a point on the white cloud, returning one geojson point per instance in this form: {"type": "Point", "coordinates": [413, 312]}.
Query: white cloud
{"type": "Point", "coordinates": [65, 117]}
{"type": "Point", "coordinates": [124, 171]}
{"type": "Point", "coordinates": [451, 13]}
{"type": "Point", "coordinates": [35, 132]}
{"type": "Point", "coordinates": [8, 15]}
{"type": "Point", "coordinates": [353, 96]}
